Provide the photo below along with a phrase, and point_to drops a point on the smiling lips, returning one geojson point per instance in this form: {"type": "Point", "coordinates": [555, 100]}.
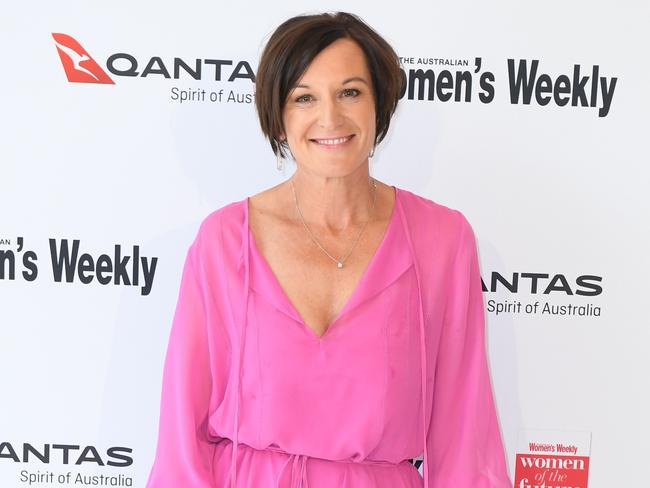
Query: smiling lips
{"type": "Point", "coordinates": [333, 143]}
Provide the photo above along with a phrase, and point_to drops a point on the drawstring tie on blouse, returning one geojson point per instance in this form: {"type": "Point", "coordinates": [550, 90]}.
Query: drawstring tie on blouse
{"type": "Point", "coordinates": [298, 472]}
{"type": "Point", "coordinates": [242, 338]}
{"type": "Point", "coordinates": [423, 355]}
{"type": "Point", "coordinates": [299, 461]}
{"type": "Point", "coordinates": [297, 477]}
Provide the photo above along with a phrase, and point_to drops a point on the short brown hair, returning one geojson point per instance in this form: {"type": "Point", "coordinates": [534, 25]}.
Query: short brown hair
{"type": "Point", "coordinates": [293, 46]}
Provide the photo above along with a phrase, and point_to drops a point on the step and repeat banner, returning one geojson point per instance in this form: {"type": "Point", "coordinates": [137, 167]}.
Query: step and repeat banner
{"type": "Point", "coordinates": [124, 124]}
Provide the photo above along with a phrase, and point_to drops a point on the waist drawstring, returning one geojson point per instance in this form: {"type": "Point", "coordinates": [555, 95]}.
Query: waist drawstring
{"type": "Point", "coordinates": [298, 463]}
{"type": "Point", "coordinates": [298, 472]}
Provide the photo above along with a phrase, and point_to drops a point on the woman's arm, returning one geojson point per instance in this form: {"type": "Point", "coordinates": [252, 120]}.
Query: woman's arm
{"type": "Point", "coordinates": [464, 443]}
{"type": "Point", "coordinates": [184, 453]}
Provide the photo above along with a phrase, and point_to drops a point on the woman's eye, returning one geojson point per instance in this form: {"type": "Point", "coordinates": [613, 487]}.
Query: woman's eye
{"type": "Point", "coordinates": [350, 92]}
{"type": "Point", "coordinates": [347, 93]}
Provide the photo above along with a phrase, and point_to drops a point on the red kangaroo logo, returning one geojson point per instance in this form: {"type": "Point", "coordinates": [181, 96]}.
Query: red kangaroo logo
{"type": "Point", "coordinates": [79, 66]}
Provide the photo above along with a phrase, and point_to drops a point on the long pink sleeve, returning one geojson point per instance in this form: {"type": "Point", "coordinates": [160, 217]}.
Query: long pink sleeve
{"type": "Point", "coordinates": [464, 442]}
{"type": "Point", "coordinates": [184, 455]}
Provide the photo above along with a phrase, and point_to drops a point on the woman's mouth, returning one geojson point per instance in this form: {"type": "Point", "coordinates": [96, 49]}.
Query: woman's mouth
{"type": "Point", "coordinates": [333, 143]}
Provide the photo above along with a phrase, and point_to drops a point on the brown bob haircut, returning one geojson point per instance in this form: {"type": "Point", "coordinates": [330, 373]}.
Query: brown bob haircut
{"type": "Point", "coordinates": [293, 46]}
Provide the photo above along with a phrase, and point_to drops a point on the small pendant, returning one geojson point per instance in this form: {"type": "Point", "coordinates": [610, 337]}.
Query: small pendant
{"type": "Point", "coordinates": [339, 264]}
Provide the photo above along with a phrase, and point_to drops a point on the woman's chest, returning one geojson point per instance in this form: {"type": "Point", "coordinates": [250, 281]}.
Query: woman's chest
{"type": "Point", "coordinates": [365, 369]}
{"type": "Point", "coordinates": [317, 278]}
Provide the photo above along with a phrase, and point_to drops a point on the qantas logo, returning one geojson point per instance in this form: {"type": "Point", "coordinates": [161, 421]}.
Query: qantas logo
{"type": "Point", "coordinates": [79, 66]}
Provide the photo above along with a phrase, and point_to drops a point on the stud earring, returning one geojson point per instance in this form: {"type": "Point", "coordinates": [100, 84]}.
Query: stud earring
{"type": "Point", "coordinates": [372, 152]}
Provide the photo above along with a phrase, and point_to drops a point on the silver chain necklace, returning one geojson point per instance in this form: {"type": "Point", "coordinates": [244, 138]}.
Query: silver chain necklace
{"type": "Point", "coordinates": [339, 262]}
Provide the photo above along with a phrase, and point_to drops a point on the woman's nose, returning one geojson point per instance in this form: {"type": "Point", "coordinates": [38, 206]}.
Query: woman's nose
{"type": "Point", "coordinates": [329, 114]}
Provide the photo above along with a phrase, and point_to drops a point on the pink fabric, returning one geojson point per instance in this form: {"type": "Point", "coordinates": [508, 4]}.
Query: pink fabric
{"type": "Point", "coordinates": [252, 397]}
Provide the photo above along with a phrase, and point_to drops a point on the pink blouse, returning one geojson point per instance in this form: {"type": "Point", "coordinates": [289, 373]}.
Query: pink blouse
{"type": "Point", "coordinates": [252, 397]}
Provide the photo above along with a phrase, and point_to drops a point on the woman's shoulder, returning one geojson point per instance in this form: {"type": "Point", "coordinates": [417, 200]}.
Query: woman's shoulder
{"type": "Point", "coordinates": [220, 231]}
{"type": "Point", "coordinates": [439, 232]}
{"type": "Point", "coordinates": [229, 215]}
{"type": "Point", "coordinates": [426, 213]}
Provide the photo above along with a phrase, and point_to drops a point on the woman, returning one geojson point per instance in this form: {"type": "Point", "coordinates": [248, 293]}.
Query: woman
{"type": "Point", "coordinates": [329, 329]}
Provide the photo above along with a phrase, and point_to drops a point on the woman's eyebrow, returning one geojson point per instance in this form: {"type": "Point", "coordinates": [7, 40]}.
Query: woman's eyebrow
{"type": "Point", "coordinates": [347, 80]}
{"type": "Point", "coordinates": [355, 78]}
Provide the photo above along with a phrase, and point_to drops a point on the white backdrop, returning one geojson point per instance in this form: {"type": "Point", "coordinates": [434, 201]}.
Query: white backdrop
{"type": "Point", "coordinates": [560, 191]}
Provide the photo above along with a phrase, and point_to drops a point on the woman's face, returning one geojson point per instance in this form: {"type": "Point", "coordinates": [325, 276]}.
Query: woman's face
{"type": "Point", "coordinates": [329, 116]}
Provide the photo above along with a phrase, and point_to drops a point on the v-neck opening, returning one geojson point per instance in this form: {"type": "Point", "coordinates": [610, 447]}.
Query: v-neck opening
{"type": "Point", "coordinates": [355, 292]}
